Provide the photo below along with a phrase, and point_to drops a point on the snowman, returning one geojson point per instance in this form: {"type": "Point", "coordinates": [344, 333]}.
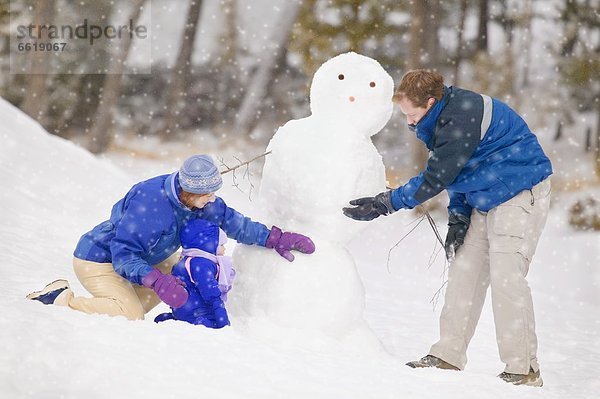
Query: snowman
{"type": "Point", "coordinates": [317, 164]}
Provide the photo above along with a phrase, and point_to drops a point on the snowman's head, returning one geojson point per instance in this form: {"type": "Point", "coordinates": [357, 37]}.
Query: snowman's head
{"type": "Point", "coordinates": [353, 90]}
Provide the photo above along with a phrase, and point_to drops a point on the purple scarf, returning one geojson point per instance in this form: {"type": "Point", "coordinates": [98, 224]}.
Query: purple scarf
{"type": "Point", "coordinates": [225, 268]}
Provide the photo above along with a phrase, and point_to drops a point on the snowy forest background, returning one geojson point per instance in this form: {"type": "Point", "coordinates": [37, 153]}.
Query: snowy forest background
{"type": "Point", "coordinates": [225, 74]}
{"type": "Point", "coordinates": [235, 70]}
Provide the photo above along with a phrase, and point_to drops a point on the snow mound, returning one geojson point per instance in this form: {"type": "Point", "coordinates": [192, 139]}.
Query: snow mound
{"type": "Point", "coordinates": [53, 191]}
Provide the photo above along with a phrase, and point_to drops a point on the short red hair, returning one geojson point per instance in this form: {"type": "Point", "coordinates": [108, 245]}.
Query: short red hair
{"type": "Point", "coordinates": [418, 86]}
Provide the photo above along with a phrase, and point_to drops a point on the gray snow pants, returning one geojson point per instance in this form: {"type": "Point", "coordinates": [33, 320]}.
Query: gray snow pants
{"type": "Point", "coordinates": [498, 249]}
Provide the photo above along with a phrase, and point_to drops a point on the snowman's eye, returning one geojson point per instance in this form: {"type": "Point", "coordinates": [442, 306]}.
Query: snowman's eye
{"type": "Point", "coordinates": [372, 84]}
{"type": "Point", "coordinates": [341, 77]}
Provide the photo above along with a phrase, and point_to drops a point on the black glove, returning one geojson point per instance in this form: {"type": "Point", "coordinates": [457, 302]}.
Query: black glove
{"type": "Point", "coordinates": [457, 230]}
{"type": "Point", "coordinates": [368, 208]}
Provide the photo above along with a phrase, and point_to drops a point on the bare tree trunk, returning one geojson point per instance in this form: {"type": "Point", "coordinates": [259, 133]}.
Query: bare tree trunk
{"type": "Point", "coordinates": [230, 38]}
{"type": "Point", "coordinates": [432, 24]}
{"type": "Point", "coordinates": [36, 100]}
{"type": "Point", "coordinates": [559, 131]}
{"type": "Point", "coordinates": [417, 49]}
{"type": "Point", "coordinates": [527, 41]}
{"type": "Point", "coordinates": [508, 23]}
{"type": "Point", "coordinates": [257, 89]}
{"type": "Point", "coordinates": [416, 46]}
{"type": "Point", "coordinates": [181, 70]}
{"type": "Point", "coordinates": [598, 142]}
{"type": "Point", "coordinates": [460, 41]}
{"type": "Point", "coordinates": [570, 31]}
{"type": "Point", "coordinates": [423, 30]}
{"type": "Point", "coordinates": [101, 130]}
{"type": "Point", "coordinates": [482, 30]}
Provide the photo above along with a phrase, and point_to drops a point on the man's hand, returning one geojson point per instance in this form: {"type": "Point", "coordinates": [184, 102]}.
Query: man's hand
{"type": "Point", "coordinates": [457, 230]}
{"type": "Point", "coordinates": [369, 208]}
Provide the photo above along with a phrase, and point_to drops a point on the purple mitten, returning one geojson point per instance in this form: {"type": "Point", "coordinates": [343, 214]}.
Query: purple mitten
{"type": "Point", "coordinates": [169, 288]}
{"type": "Point", "coordinates": [284, 242]}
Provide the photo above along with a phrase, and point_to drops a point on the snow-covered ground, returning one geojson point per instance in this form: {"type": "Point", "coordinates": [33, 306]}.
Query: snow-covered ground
{"type": "Point", "coordinates": [54, 191]}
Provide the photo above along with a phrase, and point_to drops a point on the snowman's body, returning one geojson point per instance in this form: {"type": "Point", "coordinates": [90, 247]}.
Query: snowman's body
{"type": "Point", "coordinates": [317, 164]}
{"type": "Point", "coordinates": [310, 176]}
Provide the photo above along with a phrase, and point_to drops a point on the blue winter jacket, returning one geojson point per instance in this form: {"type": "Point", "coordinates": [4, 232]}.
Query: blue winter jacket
{"type": "Point", "coordinates": [143, 229]}
{"type": "Point", "coordinates": [481, 151]}
{"type": "Point", "coordinates": [204, 305]}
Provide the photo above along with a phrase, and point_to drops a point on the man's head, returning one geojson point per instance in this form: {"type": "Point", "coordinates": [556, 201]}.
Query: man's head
{"type": "Point", "coordinates": [199, 179]}
{"type": "Point", "coordinates": [419, 89]}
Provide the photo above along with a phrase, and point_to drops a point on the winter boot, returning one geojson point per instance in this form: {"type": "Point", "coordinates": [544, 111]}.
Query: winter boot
{"type": "Point", "coordinates": [431, 361]}
{"type": "Point", "coordinates": [533, 379]}
{"type": "Point", "coordinates": [48, 294]}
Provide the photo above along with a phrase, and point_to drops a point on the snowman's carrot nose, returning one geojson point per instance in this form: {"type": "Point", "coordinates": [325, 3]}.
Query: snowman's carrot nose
{"type": "Point", "coordinates": [351, 98]}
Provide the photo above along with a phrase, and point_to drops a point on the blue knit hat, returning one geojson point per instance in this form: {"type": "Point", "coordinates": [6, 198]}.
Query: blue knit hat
{"type": "Point", "coordinates": [200, 175]}
{"type": "Point", "coordinates": [201, 234]}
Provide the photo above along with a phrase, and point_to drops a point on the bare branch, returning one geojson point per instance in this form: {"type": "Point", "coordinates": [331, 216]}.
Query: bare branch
{"type": "Point", "coordinates": [433, 225]}
{"type": "Point", "coordinates": [247, 173]}
{"type": "Point", "coordinates": [243, 163]}
{"type": "Point", "coordinates": [436, 297]}
{"type": "Point", "coordinates": [234, 179]}
{"type": "Point", "coordinates": [402, 239]}
{"type": "Point", "coordinates": [432, 258]}
{"type": "Point", "coordinates": [434, 254]}
{"type": "Point", "coordinates": [220, 159]}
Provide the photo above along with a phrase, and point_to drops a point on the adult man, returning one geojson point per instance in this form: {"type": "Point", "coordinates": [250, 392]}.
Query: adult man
{"type": "Point", "coordinates": [125, 262]}
{"type": "Point", "coordinates": [496, 176]}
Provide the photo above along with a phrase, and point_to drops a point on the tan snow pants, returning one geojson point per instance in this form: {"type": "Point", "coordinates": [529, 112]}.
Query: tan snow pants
{"type": "Point", "coordinates": [112, 294]}
{"type": "Point", "coordinates": [498, 249]}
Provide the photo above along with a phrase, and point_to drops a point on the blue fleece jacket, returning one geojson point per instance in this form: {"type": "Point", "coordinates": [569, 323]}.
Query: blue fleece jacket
{"type": "Point", "coordinates": [481, 151]}
{"type": "Point", "coordinates": [143, 229]}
